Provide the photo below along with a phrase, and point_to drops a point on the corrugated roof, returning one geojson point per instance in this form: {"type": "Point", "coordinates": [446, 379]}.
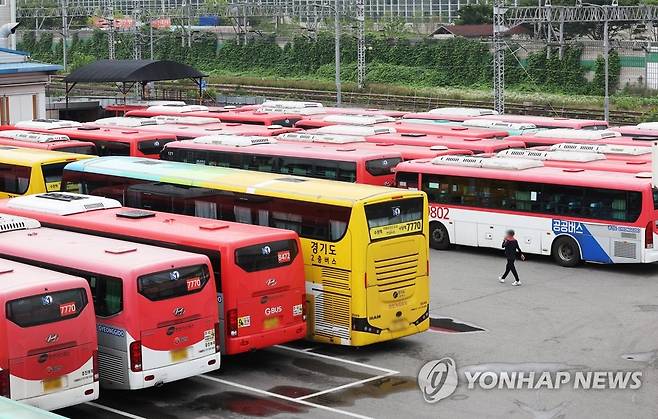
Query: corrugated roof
{"type": "Point", "coordinates": [475, 31]}
{"type": "Point", "coordinates": [28, 67]}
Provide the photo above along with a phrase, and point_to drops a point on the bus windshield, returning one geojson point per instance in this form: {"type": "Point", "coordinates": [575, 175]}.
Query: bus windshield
{"type": "Point", "coordinates": [173, 283]}
{"type": "Point", "coordinates": [394, 218]}
{"type": "Point", "coordinates": [83, 149]}
{"type": "Point", "coordinates": [261, 257]}
{"type": "Point", "coordinates": [52, 176]}
{"type": "Point", "coordinates": [46, 308]}
{"type": "Point", "coordinates": [381, 167]}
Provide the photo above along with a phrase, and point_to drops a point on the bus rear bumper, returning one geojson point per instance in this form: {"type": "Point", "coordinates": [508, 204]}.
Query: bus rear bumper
{"type": "Point", "coordinates": [158, 376]}
{"type": "Point", "coordinates": [266, 339]}
{"type": "Point", "coordinates": [64, 398]}
{"type": "Point", "coordinates": [650, 255]}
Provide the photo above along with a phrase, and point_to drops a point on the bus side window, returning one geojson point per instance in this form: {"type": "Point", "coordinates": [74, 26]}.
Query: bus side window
{"type": "Point", "coordinates": [108, 295]}
{"type": "Point", "coordinates": [14, 179]}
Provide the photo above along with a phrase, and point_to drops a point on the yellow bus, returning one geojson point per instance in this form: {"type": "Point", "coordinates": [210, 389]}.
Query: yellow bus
{"type": "Point", "coordinates": [25, 171]}
{"type": "Point", "coordinates": [365, 247]}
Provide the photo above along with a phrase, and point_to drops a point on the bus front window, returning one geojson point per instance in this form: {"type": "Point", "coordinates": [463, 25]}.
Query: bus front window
{"type": "Point", "coordinates": [52, 176]}
{"type": "Point", "coordinates": [395, 218]}
{"type": "Point", "coordinates": [89, 150]}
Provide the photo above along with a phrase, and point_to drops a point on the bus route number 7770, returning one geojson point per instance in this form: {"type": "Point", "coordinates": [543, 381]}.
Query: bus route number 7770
{"type": "Point", "coordinates": [441, 213]}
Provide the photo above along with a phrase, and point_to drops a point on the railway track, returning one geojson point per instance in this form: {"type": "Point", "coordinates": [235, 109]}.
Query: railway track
{"type": "Point", "coordinates": [375, 100]}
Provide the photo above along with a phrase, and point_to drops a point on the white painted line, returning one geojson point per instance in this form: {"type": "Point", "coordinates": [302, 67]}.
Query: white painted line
{"type": "Point", "coordinates": [282, 397]}
{"type": "Point", "coordinates": [344, 386]}
{"type": "Point", "coordinates": [312, 348]}
{"type": "Point", "coordinates": [333, 358]}
{"type": "Point", "coordinates": [118, 412]}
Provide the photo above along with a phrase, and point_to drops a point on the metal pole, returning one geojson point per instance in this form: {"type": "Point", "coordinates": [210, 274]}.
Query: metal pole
{"type": "Point", "coordinates": [337, 42]}
{"type": "Point", "coordinates": [151, 38]}
{"type": "Point", "coordinates": [65, 30]}
{"type": "Point", "coordinates": [606, 47]}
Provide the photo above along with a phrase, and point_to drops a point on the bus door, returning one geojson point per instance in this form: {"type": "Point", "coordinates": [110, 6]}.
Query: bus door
{"type": "Point", "coordinates": [265, 299]}
{"type": "Point", "coordinates": [177, 318]}
{"type": "Point", "coordinates": [52, 343]}
{"type": "Point", "coordinates": [396, 257]}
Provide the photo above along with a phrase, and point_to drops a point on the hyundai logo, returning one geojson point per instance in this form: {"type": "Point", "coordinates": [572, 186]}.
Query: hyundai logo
{"type": "Point", "coordinates": [179, 311]}
{"type": "Point", "coordinates": [52, 338]}
{"type": "Point", "coordinates": [266, 250]}
{"type": "Point", "coordinates": [270, 282]}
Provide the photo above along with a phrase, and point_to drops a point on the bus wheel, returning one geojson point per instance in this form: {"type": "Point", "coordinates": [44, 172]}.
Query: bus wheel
{"type": "Point", "coordinates": [439, 238]}
{"type": "Point", "coordinates": [566, 252]}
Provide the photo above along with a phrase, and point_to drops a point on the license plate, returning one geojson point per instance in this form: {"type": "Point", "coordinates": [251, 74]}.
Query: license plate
{"type": "Point", "coordinates": [52, 384]}
{"type": "Point", "coordinates": [271, 323]}
{"type": "Point", "coordinates": [178, 355]}
{"type": "Point", "coordinates": [397, 326]}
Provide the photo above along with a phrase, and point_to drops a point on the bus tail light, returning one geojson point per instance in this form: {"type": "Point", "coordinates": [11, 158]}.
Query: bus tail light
{"type": "Point", "coordinates": [95, 359]}
{"type": "Point", "coordinates": [217, 348]}
{"type": "Point", "coordinates": [5, 389]}
{"type": "Point", "coordinates": [232, 322]}
{"type": "Point", "coordinates": [648, 236]}
{"type": "Point", "coordinates": [136, 356]}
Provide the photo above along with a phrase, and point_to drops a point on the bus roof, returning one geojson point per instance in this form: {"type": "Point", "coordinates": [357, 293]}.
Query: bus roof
{"type": "Point", "coordinates": [427, 140]}
{"type": "Point", "coordinates": [540, 174]}
{"type": "Point", "coordinates": [310, 150]}
{"type": "Point", "coordinates": [550, 122]}
{"type": "Point", "coordinates": [87, 252]}
{"type": "Point", "coordinates": [452, 130]}
{"type": "Point", "coordinates": [21, 156]}
{"type": "Point", "coordinates": [113, 133]}
{"type": "Point", "coordinates": [311, 189]}
{"type": "Point", "coordinates": [18, 277]}
{"type": "Point", "coordinates": [51, 207]}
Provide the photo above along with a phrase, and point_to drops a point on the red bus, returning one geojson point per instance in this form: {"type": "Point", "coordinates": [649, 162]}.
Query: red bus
{"type": "Point", "coordinates": [54, 142]}
{"type": "Point", "coordinates": [407, 152]}
{"type": "Point", "coordinates": [327, 110]}
{"type": "Point", "coordinates": [248, 282]}
{"type": "Point", "coordinates": [189, 127]}
{"type": "Point", "coordinates": [571, 214]}
{"type": "Point", "coordinates": [264, 154]}
{"type": "Point", "coordinates": [640, 153]}
{"type": "Point", "coordinates": [475, 145]}
{"type": "Point", "coordinates": [255, 117]}
{"type": "Point", "coordinates": [548, 122]}
{"type": "Point", "coordinates": [452, 114]}
{"type": "Point", "coordinates": [120, 108]}
{"type": "Point", "coordinates": [318, 121]}
{"type": "Point", "coordinates": [108, 141]}
{"type": "Point", "coordinates": [48, 356]}
{"type": "Point", "coordinates": [644, 131]}
{"type": "Point", "coordinates": [574, 160]}
{"type": "Point", "coordinates": [564, 135]}
{"type": "Point", "coordinates": [156, 315]}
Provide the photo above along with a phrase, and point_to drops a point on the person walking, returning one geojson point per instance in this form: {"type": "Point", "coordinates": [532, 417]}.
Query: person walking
{"type": "Point", "coordinates": [511, 247]}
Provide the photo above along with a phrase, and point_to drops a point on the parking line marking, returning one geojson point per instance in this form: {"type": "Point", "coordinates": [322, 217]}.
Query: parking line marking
{"type": "Point", "coordinates": [344, 386]}
{"type": "Point", "coordinates": [333, 358]}
{"type": "Point", "coordinates": [117, 411]}
{"type": "Point", "coordinates": [282, 397]}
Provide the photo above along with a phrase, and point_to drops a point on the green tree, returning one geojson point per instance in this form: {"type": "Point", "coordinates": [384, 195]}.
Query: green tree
{"type": "Point", "coordinates": [474, 14]}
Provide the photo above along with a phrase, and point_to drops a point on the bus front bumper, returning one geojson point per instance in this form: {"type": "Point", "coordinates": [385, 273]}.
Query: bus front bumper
{"type": "Point", "coordinates": [64, 398]}
{"type": "Point", "coordinates": [265, 339]}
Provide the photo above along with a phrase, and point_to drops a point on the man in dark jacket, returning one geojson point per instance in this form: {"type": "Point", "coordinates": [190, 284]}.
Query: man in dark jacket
{"type": "Point", "coordinates": [511, 247]}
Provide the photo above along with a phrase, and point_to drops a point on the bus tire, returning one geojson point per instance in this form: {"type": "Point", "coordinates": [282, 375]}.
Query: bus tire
{"type": "Point", "coordinates": [566, 252]}
{"type": "Point", "coordinates": [439, 238]}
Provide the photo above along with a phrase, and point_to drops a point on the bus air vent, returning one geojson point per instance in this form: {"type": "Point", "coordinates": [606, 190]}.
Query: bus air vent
{"type": "Point", "coordinates": [188, 120]}
{"type": "Point", "coordinates": [61, 203]}
{"type": "Point", "coordinates": [47, 124]}
{"type": "Point", "coordinates": [264, 110]}
{"type": "Point", "coordinates": [510, 164]}
{"type": "Point", "coordinates": [122, 121]}
{"type": "Point", "coordinates": [573, 170]}
{"type": "Point", "coordinates": [177, 108]}
{"type": "Point", "coordinates": [644, 175]}
{"type": "Point", "coordinates": [291, 104]}
{"type": "Point", "coordinates": [6, 270]}
{"type": "Point", "coordinates": [135, 214]}
{"type": "Point", "coordinates": [576, 134]}
{"type": "Point", "coordinates": [88, 128]}
{"type": "Point", "coordinates": [358, 119]}
{"type": "Point", "coordinates": [415, 135]}
{"type": "Point", "coordinates": [462, 111]}
{"type": "Point", "coordinates": [550, 155]}
{"type": "Point", "coordinates": [213, 226]}
{"type": "Point", "coordinates": [33, 137]}
{"type": "Point", "coordinates": [13, 223]}
{"type": "Point", "coordinates": [234, 140]}
{"type": "Point", "coordinates": [438, 148]}
{"type": "Point", "coordinates": [467, 161]}
{"type": "Point", "coordinates": [274, 126]}
{"type": "Point", "coordinates": [121, 250]}
{"type": "Point", "coordinates": [648, 125]}
{"type": "Point", "coordinates": [355, 130]}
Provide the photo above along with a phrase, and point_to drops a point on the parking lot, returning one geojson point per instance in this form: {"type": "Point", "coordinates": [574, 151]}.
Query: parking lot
{"type": "Point", "coordinates": [591, 318]}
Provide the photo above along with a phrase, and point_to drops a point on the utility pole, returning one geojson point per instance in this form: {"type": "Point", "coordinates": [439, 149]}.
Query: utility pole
{"type": "Point", "coordinates": [606, 52]}
{"type": "Point", "coordinates": [499, 56]}
{"type": "Point", "coordinates": [65, 32]}
{"type": "Point", "coordinates": [361, 44]}
{"type": "Point", "coordinates": [337, 51]}
{"type": "Point", "coordinates": [110, 31]}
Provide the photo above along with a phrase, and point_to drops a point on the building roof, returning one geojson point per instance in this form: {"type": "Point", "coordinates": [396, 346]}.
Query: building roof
{"type": "Point", "coordinates": [132, 71]}
{"type": "Point", "coordinates": [476, 31]}
{"type": "Point", "coordinates": [28, 67]}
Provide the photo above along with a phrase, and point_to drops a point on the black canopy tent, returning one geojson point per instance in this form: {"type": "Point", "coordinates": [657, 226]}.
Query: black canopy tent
{"type": "Point", "coordinates": [131, 72]}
